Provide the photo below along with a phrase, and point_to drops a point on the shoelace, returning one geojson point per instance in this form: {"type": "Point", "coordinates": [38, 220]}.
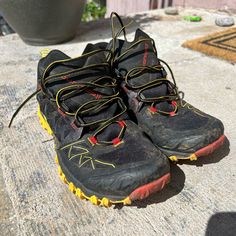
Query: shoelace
{"type": "Point", "coordinates": [93, 107]}
{"type": "Point", "coordinates": [44, 79]}
{"type": "Point", "coordinates": [77, 88]}
{"type": "Point", "coordinates": [173, 95]}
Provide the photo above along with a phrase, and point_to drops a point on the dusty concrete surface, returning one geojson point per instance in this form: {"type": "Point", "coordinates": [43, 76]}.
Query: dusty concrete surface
{"type": "Point", "coordinates": [200, 200]}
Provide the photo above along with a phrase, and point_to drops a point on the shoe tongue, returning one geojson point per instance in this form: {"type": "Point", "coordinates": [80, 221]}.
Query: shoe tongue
{"type": "Point", "coordinates": [91, 94]}
{"type": "Point", "coordinates": [97, 58]}
{"type": "Point", "coordinates": [89, 75]}
{"type": "Point", "coordinates": [85, 75]}
{"type": "Point", "coordinates": [143, 55]}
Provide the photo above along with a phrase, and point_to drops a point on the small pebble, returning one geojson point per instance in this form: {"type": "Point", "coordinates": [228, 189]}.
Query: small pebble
{"type": "Point", "coordinates": [171, 11]}
{"type": "Point", "coordinates": [224, 21]}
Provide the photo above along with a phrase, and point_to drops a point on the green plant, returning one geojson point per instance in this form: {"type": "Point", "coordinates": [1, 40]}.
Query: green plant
{"type": "Point", "coordinates": [93, 11]}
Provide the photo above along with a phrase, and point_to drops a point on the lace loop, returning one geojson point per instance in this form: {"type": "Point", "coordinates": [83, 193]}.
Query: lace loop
{"type": "Point", "coordinates": [96, 106]}
{"type": "Point", "coordinates": [80, 88]}
{"type": "Point", "coordinates": [138, 71]}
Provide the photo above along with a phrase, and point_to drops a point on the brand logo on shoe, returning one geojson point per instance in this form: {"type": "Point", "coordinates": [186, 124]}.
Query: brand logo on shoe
{"type": "Point", "coordinates": [145, 56]}
{"type": "Point", "coordinates": [76, 150]}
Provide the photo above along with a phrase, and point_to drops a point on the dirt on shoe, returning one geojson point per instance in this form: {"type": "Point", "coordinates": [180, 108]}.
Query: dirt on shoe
{"type": "Point", "coordinates": [177, 128]}
{"type": "Point", "coordinates": [102, 155]}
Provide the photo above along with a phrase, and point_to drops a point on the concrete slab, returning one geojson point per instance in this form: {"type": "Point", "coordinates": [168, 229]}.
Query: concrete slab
{"type": "Point", "coordinates": [201, 199]}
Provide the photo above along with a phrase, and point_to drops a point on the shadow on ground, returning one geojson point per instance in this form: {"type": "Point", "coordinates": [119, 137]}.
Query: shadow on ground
{"type": "Point", "coordinates": [178, 177]}
{"type": "Point", "coordinates": [173, 188]}
{"type": "Point", "coordinates": [222, 223]}
{"type": "Point", "coordinates": [215, 157]}
{"type": "Point", "coordinates": [101, 29]}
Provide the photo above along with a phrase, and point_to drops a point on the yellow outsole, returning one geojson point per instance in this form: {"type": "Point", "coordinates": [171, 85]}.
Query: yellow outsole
{"type": "Point", "coordinates": [43, 122]}
{"type": "Point", "coordinates": [205, 151]}
{"type": "Point", "coordinates": [192, 157]}
{"type": "Point", "coordinates": [77, 191]}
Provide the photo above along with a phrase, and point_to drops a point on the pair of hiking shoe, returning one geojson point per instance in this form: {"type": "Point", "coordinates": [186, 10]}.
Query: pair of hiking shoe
{"type": "Point", "coordinates": [117, 120]}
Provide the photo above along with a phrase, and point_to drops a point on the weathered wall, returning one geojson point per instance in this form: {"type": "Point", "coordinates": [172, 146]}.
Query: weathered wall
{"type": "Point", "coordinates": [124, 7]}
{"type": "Point", "coordinates": [209, 4]}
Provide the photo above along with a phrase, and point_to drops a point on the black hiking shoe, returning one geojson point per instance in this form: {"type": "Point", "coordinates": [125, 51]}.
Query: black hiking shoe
{"type": "Point", "coordinates": [177, 128]}
{"type": "Point", "coordinates": [102, 155]}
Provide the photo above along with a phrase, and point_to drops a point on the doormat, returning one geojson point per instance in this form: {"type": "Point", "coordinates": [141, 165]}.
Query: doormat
{"type": "Point", "coordinates": [221, 44]}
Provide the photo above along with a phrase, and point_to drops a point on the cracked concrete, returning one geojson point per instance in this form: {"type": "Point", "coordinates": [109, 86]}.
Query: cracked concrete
{"type": "Point", "coordinates": [201, 198]}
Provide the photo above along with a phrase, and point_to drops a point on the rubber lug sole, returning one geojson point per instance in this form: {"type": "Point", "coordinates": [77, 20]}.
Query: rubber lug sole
{"type": "Point", "coordinates": [138, 194]}
{"type": "Point", "coordinates": [44, 123]}
{"type": "Point", "coordinates": [201, 152]}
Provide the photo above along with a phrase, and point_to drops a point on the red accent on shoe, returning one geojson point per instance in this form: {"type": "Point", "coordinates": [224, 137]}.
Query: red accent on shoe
{"type": "Point", "coordinates": [153, 109]}
{"type": "Point", "coordinates": [172, 113]}
{"type": "Point", "coordinates": [74, 126]}
{"type": "Point", "coordinates": [65, 77]}
{"type": "Point", "coordinates": [94, 94]}
{"type": "Point", "coordinates": [174, 103]}
{"type": "Point", "coordinates": [116, 141]}
{"type": "Point", "coordinates": [68, 79]}
{"type": "Point", "coordinates": [145, 55]}
{"type": "Point", "coordinates": [211, 147]}
{"type": "Point", "coordinates": [93, 140]}
{"type": "Point", "coordinates": [121, 123]}
{"type": "Point", "coordinates": [61, 112]}
{"type": "Point", "coordinates": [147, 189]}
